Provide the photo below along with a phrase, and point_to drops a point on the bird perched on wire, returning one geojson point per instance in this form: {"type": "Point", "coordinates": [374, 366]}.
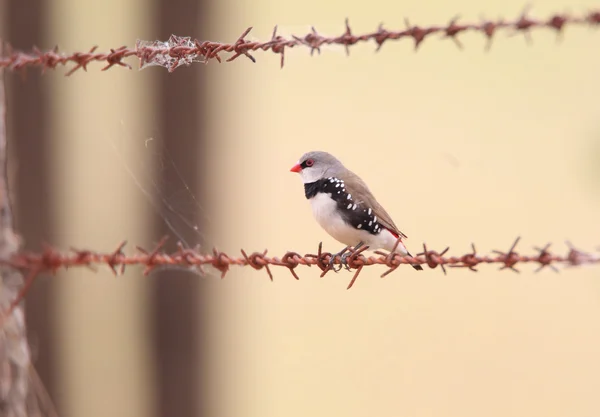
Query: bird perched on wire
{"type": "Point", "coordinates": [345, 207]}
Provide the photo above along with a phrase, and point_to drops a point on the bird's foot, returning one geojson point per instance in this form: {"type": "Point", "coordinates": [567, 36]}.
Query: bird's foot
{"type": "Point", "coordinates": [344, 257]}
{"type": "Point", "coordinates": [342, 260]}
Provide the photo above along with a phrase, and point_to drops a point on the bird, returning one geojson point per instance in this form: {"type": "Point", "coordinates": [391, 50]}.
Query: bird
{"type": "Point", "coordinates": [345, 208]}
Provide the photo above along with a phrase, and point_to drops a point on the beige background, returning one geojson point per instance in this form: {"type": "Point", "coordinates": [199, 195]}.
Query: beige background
{"type": "Point", "coordinates": [460, 146]}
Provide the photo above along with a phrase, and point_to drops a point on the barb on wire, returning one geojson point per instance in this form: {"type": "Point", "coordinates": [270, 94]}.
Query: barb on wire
{"type": "Point", "coordinates": [178, 50]}
{"type": "Point", "coordinates": [51, 260]}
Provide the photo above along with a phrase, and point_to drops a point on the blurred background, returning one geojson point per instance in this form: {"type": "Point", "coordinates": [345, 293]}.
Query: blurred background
{"type": "Point", "coordinates": [459, 146]}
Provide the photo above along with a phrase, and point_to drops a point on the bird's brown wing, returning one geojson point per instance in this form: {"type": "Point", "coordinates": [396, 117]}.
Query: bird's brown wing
{"type": "Point", "coordinates": [363, 196]}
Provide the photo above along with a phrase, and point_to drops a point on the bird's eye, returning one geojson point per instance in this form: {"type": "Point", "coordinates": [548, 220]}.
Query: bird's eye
{"type": "Point", "coordinates": [309, 162]}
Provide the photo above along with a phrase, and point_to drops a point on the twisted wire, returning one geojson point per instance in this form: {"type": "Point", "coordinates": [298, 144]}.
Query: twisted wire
{"type": "Point", "coordinates": [51, 260]}
{"type": "Point", "coordinates": [178, 50]}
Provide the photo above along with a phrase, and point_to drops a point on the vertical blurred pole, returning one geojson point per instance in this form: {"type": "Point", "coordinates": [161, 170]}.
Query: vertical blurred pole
{"type": "Point", "coordinates": [177, 304]}
{"type": "Point", "coordinates": [29, 162]}
{"type": "Point", "coordinates": [14, 348]}
{"type": "Point", "coordinates": [104, 365]}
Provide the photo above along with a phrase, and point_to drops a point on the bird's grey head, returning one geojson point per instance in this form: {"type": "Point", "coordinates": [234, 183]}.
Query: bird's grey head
{"type": "Point", "coordinates": [315, 165]}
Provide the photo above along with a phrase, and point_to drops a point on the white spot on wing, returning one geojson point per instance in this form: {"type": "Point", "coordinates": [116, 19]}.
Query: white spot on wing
{"type": "Point", "coordinates": [349, 206]}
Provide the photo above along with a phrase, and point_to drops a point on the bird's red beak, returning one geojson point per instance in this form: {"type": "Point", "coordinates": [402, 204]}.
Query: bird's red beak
{"type": "Point", "coordinates": [296, 168]}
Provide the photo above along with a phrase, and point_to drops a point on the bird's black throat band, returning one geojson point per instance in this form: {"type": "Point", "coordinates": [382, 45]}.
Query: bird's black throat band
{"type": "Point", "coordinates": [312, 188]}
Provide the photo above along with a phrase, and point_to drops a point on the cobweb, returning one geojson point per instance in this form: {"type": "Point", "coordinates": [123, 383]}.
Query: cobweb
{"type": "Point", "coordinates": [171, 54]}
{"type": "Point", "coordinates": [175, 203]}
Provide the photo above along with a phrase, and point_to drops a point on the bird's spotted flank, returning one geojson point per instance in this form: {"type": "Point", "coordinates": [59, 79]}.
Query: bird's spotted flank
{"type": "Point", "coordinates": [354, 213]}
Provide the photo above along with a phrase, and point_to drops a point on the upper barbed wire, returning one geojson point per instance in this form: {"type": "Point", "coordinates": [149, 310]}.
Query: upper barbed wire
{"type": "Point", "coordinates": [178, 51]}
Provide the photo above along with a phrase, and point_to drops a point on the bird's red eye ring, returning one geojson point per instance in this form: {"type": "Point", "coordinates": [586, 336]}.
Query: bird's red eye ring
{"type": "Point", "coordinates": [309, 162]}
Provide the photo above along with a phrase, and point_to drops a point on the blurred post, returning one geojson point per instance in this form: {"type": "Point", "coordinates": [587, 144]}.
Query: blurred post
{"type": "Point", "coordinates": [29, 167]}
{"type": "Point", "coordinates": [104, 354]}
{"type": "Point", "coordinates": [14, 348]}
{"type": "Point", "coordinates": [177, 299]}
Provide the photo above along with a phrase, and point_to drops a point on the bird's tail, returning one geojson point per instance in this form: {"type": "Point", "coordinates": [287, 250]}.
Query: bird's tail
{"type": "Point", "coordinates": [416, 266]}
{"type": "Point", "coordinates": [401, 248]}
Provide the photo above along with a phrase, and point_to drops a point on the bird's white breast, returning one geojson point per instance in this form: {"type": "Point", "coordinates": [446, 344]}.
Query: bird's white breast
{"type": "Point", "coordinates": [327, 215]}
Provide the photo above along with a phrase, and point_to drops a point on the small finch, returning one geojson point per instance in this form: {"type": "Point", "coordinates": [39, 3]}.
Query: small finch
{"type": "Point", "coordinates": [344, 206]}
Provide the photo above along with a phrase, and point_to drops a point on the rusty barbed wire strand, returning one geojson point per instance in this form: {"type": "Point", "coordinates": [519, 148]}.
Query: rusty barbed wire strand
{"type": "Point", "coordinates": [179, 51]}
{"type": "Point", "coordinates": [51, 260]}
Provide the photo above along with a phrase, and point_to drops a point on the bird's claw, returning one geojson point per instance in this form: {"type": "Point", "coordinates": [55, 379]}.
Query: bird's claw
{"type": "Point", "coordinates": [343, 262]}
{"type": "Point", "coordinates": [332, 265]}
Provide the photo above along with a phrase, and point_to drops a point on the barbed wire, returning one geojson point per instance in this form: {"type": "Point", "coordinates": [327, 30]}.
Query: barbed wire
{"type": "Point", "coordinates": [178, 51]}
{"type": "Point", "coordinates": [51, 260]}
